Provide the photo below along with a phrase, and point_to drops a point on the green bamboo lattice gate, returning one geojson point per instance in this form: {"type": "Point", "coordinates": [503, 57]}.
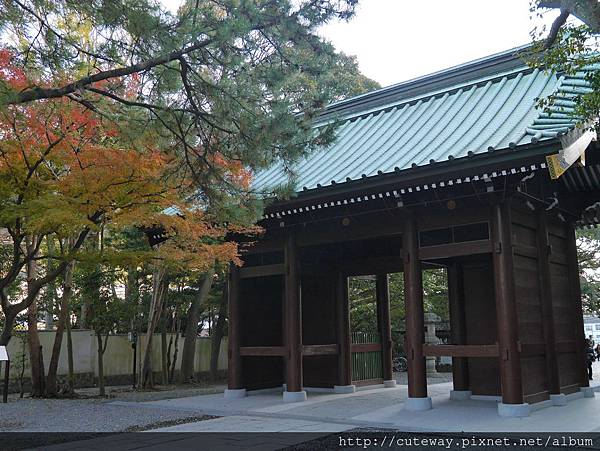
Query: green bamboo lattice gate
{"type": "Point", "coordinates": [366, 365]}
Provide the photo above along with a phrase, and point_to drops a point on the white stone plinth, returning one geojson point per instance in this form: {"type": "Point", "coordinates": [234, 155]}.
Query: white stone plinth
{"type": "Point", "coordinates": [460, 395]}
{"type": "Point", "coordinates": [416, 404]}
{"type": "Point", "coordinates": [559, 399]}
{"type": "Point", "coordinates": [514, 410]}
{"type": "Point", "coordinates": [235, 393]}
{"type": "Point", "coordinates": [343, 389]}
{"type": "Point", "coordinates": [389, 384]}
{"type": "Point", "coordinates": [294, 396]}
{"type": "Point", "coordinates": [588, 392]}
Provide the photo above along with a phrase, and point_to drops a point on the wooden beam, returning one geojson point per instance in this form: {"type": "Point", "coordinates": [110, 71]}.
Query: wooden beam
{"type": "Point", "coordinates": [293, 317]}
{"type": "Point", "coordinates": [385, 326]}
{"type": "Point", "coordinates": [262, 351]}
{"type": "Point", "coordinates": [415, 321]}
{"type": "Point", "coordinates": [546, 304]}
{"type": "Point", "coordinates": [234, 368]}
{"type": "Point", "coordinates": [366, 347]}
{"type": "Point", "coordinates": [506, 308]}
{"type": "Point", "coordinates": [264, 245]}
{"type": "Point", "coordinates": [372, 265]}
{"type": "Point", "coordinates": [458, 329]}
{"type": "Point", "coordinates": [247, 272]}
{"type": "Point", "coordinates": [343, 330]}
{"type": "Point", "coordinates": [461, 351]}
{"type": "Point", "coordinates": [337, 232]}
{"type": "Point", "coordinates": [455, 249]}
{"type": "Point", "coordinates": [309, 350]}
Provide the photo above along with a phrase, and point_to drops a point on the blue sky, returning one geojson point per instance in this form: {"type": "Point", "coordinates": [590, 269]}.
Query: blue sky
{"type": "Point", "coordinates": [396, 40]}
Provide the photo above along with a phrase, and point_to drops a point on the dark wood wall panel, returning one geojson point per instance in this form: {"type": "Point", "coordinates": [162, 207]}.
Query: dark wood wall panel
{"type": "Point", "coordinates": [535, 379]}
{"type": "Point", "coordinates": [529, 308]}
{"type": "Point", "coordinates": [262, 372]}
{"type": "Point", "coordinates": [528, 300]}
{"type": "Point", "coordinates": [261, 311]}
{"type": "Point", "coordinates": [319, 327]}
{"type": "Point", "coordinates": [318, 309]}
{"type": "Point", "coordinates": [480, 313]}
{"type": "Point", "coordinates": [565, 325]}
{"type": "Point", "coordinates": [320, 370]}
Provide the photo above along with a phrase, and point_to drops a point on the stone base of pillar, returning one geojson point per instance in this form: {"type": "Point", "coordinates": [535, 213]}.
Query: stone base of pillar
{"type": "Point", "coordinates": [294, 396]}
{"type": "Point", "coordinates": [416, 404]}
{"type": "Point", "coordinates": [235, 393]}
{"type": "Point", "coordinates": [344, 389]}
{"type": "Point", "coordinates": [588, 392]}
{"type": "Point", "coordinates": [430, 366]}
{"type": "Point", "coordinates": [559, 399]}
{"type": "Point", "coordinates": [514, 410]}
{"type": "Point", "coordinates": [460, 395]}
{"type": "Point", "coordinates": [389, 384]}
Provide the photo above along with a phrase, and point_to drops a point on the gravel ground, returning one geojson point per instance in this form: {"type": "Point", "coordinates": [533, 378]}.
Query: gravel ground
{"type": "Point", "coordinates": [93, 414]}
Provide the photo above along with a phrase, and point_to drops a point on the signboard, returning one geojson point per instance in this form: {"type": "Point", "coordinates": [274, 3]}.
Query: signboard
{"type": "Point", "coordinates": [3, 354]}
{"type": "Point", "coordinates": [574, 144]}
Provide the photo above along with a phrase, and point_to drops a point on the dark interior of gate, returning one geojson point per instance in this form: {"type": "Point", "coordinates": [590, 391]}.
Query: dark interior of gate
{"type": "Point", "coordinates": [460, 240]}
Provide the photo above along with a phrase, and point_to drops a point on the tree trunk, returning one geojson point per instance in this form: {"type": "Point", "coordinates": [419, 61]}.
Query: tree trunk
{"type": "Point", "coordinates": [93, 243]}
{"type": "Point", "coordinates": [217, 337]}
{"type": "Point", "coordinates": [71, 377]}
{"type": "Point", "coordinates": [164, 352]}
{"type": "Point", "coordinates": [191, 328]}
{"type": "Point", "coordinates": [50, 295]}
{"type": "Point", "coordinates": [9, 321]}
{"type": "Point", "coordinates": [158, 288]}
{"type": "Point", "coordinates": [51, 382]}
{"type": "Point", "coordinates": [176, 346]}
{"type": "Point", "coordinates": [35, 349]}
{"type": "Point", "coordinates": [101, 388]}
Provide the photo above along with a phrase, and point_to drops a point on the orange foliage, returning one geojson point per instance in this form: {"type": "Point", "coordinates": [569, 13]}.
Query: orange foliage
{"type": "Point", "coordinates": [65, 165]}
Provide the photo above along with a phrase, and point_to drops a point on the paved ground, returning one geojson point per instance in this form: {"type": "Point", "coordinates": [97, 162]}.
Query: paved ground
{"type": "Point", "coordinates": [264, 411]}
{"type": "Point", "coordinates": [92, 414]}
{"type": "Point", "coordinates": [373, 408]}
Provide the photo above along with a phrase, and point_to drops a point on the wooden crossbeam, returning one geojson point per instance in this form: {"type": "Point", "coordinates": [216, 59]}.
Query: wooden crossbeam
{"type": "Point", "coordinates": [330, 349]}
{"type": "Point", "coordinates": [461, 350]}
{"type": "Point", "coordinates": [262, 271]}
{"type": "Point", "coordinates": [262, 351]}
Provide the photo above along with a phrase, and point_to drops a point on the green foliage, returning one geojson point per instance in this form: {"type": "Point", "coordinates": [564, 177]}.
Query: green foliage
{"type": "Point", "coordinates": [219, 82]}
{"type": "Point", "coordinates": [588, 253]}
{"type": "Point", "coordinates": [363, 310]}
{"type": "Point", "coordinates": [573, 49]}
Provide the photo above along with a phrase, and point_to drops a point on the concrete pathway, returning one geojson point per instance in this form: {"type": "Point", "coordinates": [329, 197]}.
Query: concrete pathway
{"type": "Point", "coordinates": [265, 411]}
{"type": "Point", "coordinates": [323, 413]}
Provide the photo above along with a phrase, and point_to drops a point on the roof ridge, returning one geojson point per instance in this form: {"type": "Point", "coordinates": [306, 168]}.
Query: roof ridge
{"type": "Point", "coordinates": [451, 89]}
{"type": "Point", "coordinates": [506, 61]}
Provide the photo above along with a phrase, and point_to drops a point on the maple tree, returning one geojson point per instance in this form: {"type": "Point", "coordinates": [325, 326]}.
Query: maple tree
{"type": "Point", "coordinates": [65, 171]}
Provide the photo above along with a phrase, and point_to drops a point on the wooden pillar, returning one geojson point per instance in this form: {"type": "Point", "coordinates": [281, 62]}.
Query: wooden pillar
{"type": "Point", "coordinates": [458, 329]}
{"type": "Point", "coordinates": [546, 305]}
{"type": "Point", "coordinates": [506, 308]}
{"type": "Point", "coordinates": [343, 331]}
{"type": "Point", "coordinates": [234, 368]}
{"type": "Point", "coordinates": [415, 323]}
{"type": "Point", "coordinates": [293, 316]}
{"type": "Point", "coordinates": [385, 326]}
{"type": "Point", "coordinates": [577, 308]}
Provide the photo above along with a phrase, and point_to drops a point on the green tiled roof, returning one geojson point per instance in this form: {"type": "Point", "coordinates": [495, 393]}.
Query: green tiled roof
{"type": "Point", "coordinates": [488, 104]}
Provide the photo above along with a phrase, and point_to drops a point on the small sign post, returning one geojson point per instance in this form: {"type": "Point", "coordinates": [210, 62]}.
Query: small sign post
{"type": "Point", "coordinates": [4, 358]}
